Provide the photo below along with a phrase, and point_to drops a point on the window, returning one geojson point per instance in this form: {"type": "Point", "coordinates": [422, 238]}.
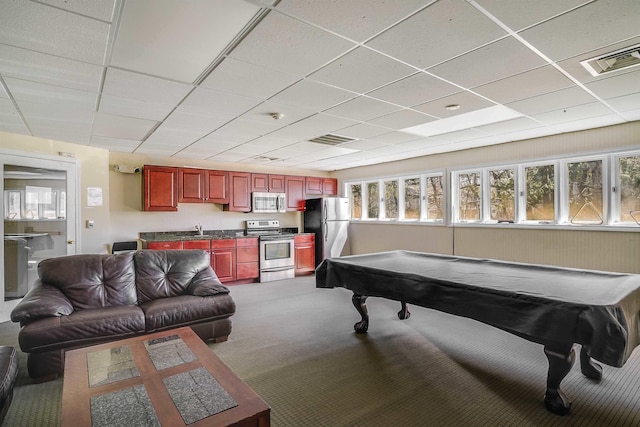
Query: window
{"type": "Point", "coordinates": [355, 200]}
{"type": "Point", "coordinates": [584, 192]}
{"type": "Point", "coordinates": [391, 199]}
{"type": "Point", "coordinates": [373, 200]}
{"type": "Point", "coordinates": [629, 189]}
{"type": "Point", "coordinates": [540, 193]}
{"type": "Point", "coordinates": [469, 196]}
{"type": "Point", "coordinates": [502, 194]}
{"type": "Point", "coordinates": [412, 198]}
{"type": "Point", "coordinates": [435, 198]}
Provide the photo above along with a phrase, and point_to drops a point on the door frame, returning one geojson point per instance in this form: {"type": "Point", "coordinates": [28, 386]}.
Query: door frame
{"type": "Point", "coordinates": [72, 167]}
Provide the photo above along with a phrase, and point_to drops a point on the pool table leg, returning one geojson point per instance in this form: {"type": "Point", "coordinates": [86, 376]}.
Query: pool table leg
{"type": "Point", "coordinates": [404, 312]}
{"type": "Point", "coordinates": [359, 303]}
{"type": "Point", "coordinates": [560, 363]}
{"type": "Point", "coordinates": [588, 367]}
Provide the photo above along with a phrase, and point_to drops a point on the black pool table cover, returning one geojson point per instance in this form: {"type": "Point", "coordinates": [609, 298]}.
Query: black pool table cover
{"type": "Point", "coordinates": [544, 304]}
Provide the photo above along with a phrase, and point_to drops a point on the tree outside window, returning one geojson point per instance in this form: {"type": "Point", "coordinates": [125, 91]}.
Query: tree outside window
{"type": "Point", "coordinates": [373, 200]}
{"type": "Point", "coordinates": [540, 193]}
{"type": "Point", "coordinates": [355, 201]}
{"type": "Point", "coordinates": [391, 199]}
{"type": "Point", "coordinates": [469, 196]}
{"type": "Point", "coordinates": [585, 192]}
{"type": "Point", "coordinates": [434, 198]}
{"type": "Point", "coordinates": [502, 195]}
{"type": "Point", "coordinates": [412, 198]}
{"type": "Point", "coordinates": [629, 184]}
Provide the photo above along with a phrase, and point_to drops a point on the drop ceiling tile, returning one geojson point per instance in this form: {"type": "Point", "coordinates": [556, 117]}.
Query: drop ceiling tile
{"type": "Point", "coordinates": [310, 94]}
{"type": "Point", "coordinates": [98, 9]}
{"type": "Point", "coordinates": [288, 45]}
{"type": "Point", "coordinates": [446, 28]}
{"type": "Point", "coordinates": [525, 85]}
{"type": "Point", "coordinates": [292, 113]}
{"type": "Point", "coordinates": [156, 151]}
{"type": "Point", "coordinates": [579, 112]}
{"type": "Point", "coordinates": [616, 85]}
{"type": "Point", "coordinates": [362, 70]}
{"type": "Point", "coordinates": [6, 106]}
{"type": "Point", "coordinates": [363, 109]}
{"type": "Point", "coordinates": [230, 157]}
{"type": "Point", "coordinates": [518, 15]}
{"type": "Point", "coordinates": [413, 90]}
{"type": "Point", "coordinates": [209, 101]}
{"type": "Point", "coordinates": [247, 79]}
{"type": "Point", "coordinates": [48, 69]}
{"type": "Point", "coordinates": [362, 130]}
{"type": "Point", "coordinates": [134, 108]}
{"type": "Point", "coordinates": [38, 27]}
{"type": "Point", "coordinates": [74, 132]}
{"type": "Point", "coordinates": [592, 122]}
{"type": "Point", "coordinates": [461, 135]}
{"type": "Point", "coordinates": [510, 126]}
{"type": "Point", "coordinates": [582, 30]}
{"type": "Point", "coordinates": [355, 19]}
{"type": "Point", "coordinates": [626, 102]}
{"type": "Point", "coordinates": [127, 84]}
{"type": "Point", "coordinates": [181, 121]}
{"type": "Point", "coordinates": [119, 127]}
{"type": "Point", "coordinates": [631, 115]}
{"type": "Point", "coordinates": [113, 144]}
{"type": "Point", "coordinates": [312, 127]}
{"type": "Point", "coordinates": [401, 119]}
{"type": "Point", "coordinates": [569, 97]}
{"type": "Point", "coordinates": [393, 138]}
{"type": "Point", "coordinates": [12, 124]}
{"type": "Point", "coordinates": [251, 149]}
{"type": "Point", "coordinates": [247, 129]}
{"type": "Point", "coordinates": [167, 137]}
{"type": "Point", "coordinates": [271, 142]}
{"type": "Point", "coordinates": [500, 59]}
{"type": "Point", "coordinates": [38, 93]}
{"type": "Point", "coordinates": [467, 101]}
{"type": "Point", "coordinates": [56, 112]}
{"type": "Point", "coordinates": [177, 40]}
{"type": "Point", "coordinates": [363, 145]}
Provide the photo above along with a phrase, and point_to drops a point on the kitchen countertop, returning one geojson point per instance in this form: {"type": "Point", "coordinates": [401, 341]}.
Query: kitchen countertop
{"type": "Point", "coordinates": [168, 236]}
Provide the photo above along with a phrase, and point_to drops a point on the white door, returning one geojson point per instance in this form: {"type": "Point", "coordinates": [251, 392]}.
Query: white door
{"type": "Point", "coordinates": [40, 220]}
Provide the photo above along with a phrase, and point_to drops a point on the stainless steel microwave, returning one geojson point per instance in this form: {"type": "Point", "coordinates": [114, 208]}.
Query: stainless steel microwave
{"type": "Point", "coordinates": [268, 202]}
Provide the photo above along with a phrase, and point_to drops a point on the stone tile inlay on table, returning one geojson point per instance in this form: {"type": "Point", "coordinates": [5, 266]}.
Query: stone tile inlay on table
{"type": "Point", "coordinates": [168, 351]}
{"type": "Point", "coordinates": [111, 365]}
{"type": "Point", "coordinates": [197, 395]}
{"type": "Point", "coordinates": [127, 407]}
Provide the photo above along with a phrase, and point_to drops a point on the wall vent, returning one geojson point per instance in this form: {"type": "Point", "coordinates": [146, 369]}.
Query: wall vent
{"type": "Point", "coordinates": [614, 61]}
{"type": "Point", "coordinates": [330, 139]}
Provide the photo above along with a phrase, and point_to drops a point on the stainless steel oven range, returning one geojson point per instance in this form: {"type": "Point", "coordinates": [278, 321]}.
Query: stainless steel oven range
{"type": "Point", "coordinates": [276, 249]}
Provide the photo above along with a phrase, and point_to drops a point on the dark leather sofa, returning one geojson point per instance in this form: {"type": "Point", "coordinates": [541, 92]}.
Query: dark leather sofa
{"type": "Point", "coordinates": [82, 300]}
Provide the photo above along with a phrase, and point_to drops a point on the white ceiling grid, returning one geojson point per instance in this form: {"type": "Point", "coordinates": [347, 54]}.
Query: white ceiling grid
{"type": "Point", "coordinates": [201, 79]}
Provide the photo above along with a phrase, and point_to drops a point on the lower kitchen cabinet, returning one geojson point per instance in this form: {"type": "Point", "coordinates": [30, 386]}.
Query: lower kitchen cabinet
{"type": "Point", "coordinates": [223, 259]}
{"type": "Point", "coordinates": [304, 248]}
{"type": "Point", "coordinates": [247, 261]}
{"type": "Point", "coordinates": [163, 245]}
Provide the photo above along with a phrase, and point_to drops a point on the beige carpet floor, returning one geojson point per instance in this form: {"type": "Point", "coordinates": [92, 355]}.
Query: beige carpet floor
{"type": "Point", "coordinates": [295, 346]}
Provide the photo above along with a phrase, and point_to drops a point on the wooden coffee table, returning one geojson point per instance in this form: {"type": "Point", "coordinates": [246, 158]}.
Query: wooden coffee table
{"type": "Point", "coordinates": [168, 378]}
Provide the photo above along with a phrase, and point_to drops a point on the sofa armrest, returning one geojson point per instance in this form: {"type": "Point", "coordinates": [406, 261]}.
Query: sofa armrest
{"type": "Point", "coordinates": [41, 301]}
{"type": "Point", "coordinates": [206, 283]}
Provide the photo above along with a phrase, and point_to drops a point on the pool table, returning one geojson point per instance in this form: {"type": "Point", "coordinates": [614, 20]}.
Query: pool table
{"type": "Point", "coordinates": [553, 306]}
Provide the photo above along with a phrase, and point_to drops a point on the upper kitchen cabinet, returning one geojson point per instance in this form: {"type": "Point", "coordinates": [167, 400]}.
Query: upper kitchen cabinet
{"type": "Point", "coordinates": [202, 186]}
{"type": "Point", "coordinates": [239, 192]}
{"type": "Point", "coordinates": [294, 189]}
{"type": "Point", "coordinates": [160, 188]}
{"type": "Point", "coordinates": [267, 183]}
{"type": "Point", "coordinates": [321, 186]}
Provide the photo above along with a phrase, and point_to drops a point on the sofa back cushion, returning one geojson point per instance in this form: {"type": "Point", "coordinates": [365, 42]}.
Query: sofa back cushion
{"type": "Point", "coordinates": [92, 281]}
{"type": "Point", "coordinates": [162, 274]}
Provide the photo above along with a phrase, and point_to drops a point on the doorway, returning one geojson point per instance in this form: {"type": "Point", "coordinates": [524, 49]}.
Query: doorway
{"type": "Point", "coordinates": [39, 211]}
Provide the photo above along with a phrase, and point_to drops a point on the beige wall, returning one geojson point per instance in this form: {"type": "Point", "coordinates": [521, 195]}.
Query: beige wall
{"type": "Point", "coordinates": [583, 248]}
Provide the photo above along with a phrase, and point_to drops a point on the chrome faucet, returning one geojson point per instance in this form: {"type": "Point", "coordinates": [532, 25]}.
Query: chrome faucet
{"type": "Point", "coordinates": [199, 229]}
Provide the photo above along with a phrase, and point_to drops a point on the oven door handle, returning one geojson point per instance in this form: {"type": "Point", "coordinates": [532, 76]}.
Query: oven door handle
{"type": "Point", "coordinates": [287, 267]}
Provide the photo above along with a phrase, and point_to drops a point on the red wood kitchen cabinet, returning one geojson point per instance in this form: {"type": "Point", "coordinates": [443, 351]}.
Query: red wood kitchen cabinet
{"type": "Point", "coordinates": [223, 259]}
{"type": "Point", "coordinates": [160, 188]}
{"type": "Point", "coordinates": [175, 244]}
{"type": "Point", "coordinates": [217, 186]}
{"type": "Point", "coordinates": [205, 245]}
{"type": "Point", "coordinates": [202, 186]}
{"type": "Point", "coordinates": [321, 186]}
{"type": "Point", "coordinates": [294, 189]}
{"type": "Point", "coordinates": [239, 192]}
{"type": "Point", "coordinates": [267, 183]}
{"type": "Point", "coordinates": [304, 248]}
{"type": "Point", "coordinates": [247, 261]}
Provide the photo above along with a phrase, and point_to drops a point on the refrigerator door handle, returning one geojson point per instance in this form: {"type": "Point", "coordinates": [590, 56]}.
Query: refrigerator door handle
{"type": "Point", "coordinates": [326, 230]}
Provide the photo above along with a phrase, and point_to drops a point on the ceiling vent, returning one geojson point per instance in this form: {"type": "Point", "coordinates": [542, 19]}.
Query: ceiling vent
{"type": "Point", "coordinates": [330, 139]}
{"type": "Point", "coordinates": [266, 158]}
{"type": "Point", "coordinates": [614, 61]}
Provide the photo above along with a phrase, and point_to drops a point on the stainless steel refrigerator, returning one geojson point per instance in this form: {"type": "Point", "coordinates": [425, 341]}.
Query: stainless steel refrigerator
{"type": "Point", "coordinates": [328, 218]}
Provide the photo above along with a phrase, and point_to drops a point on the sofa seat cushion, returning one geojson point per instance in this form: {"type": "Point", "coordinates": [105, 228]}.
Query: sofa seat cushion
{"type": "Point", "coordinates": [183, 310]}
{"type": "Point", "coordinates": [8, 375]}
{"type": "Point", "coordinates": [82, 328]}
